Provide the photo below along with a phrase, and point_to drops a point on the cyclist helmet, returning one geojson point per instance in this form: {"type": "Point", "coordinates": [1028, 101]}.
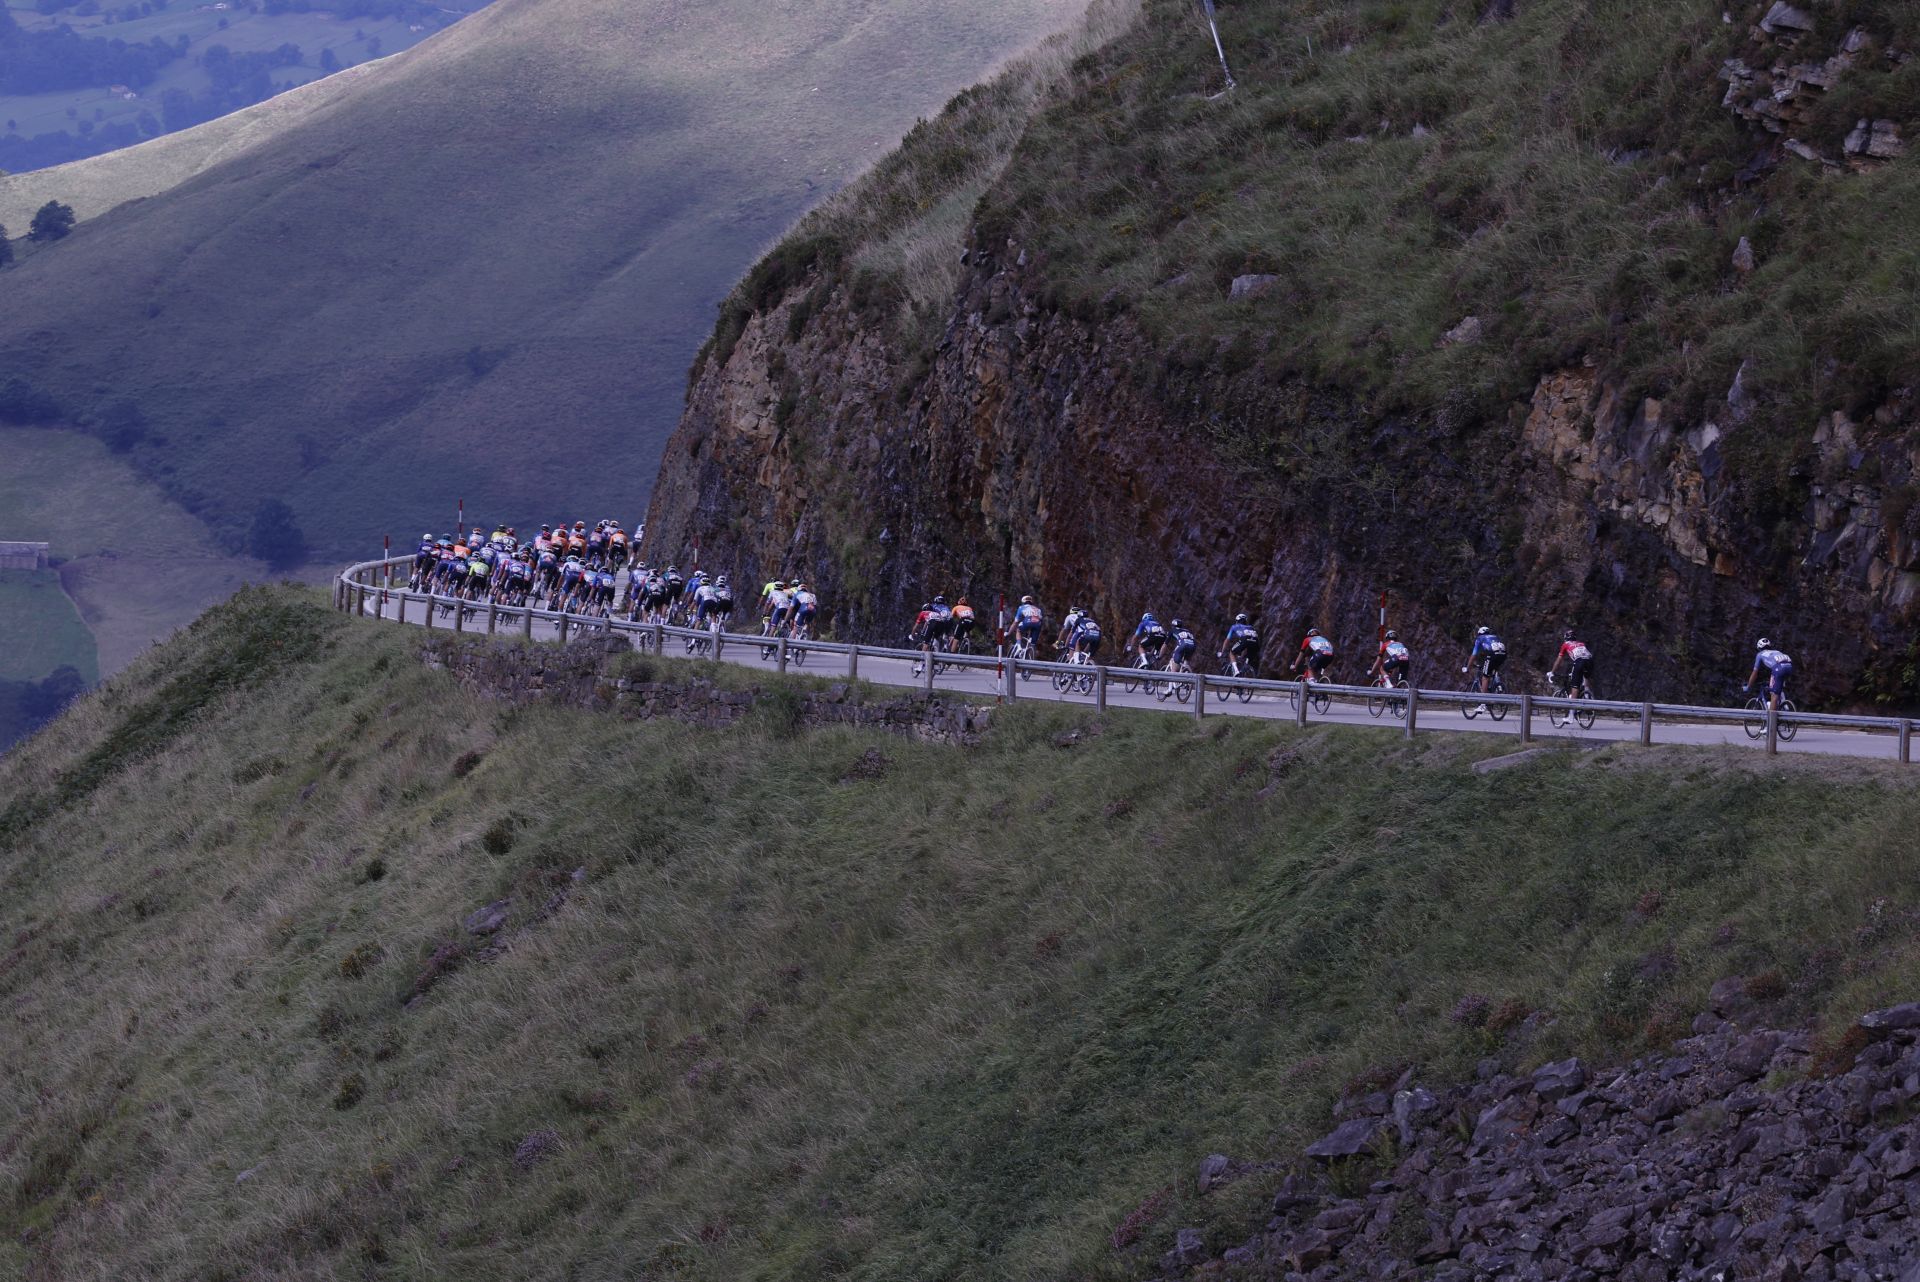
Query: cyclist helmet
{"type": "Point", "coordinates": [1240, 618]}
{"type": "Point", "coordinates": [426, 538]}
{"type": "Point", "coordinates": [1313, 632]}
{"type": "Point", "coordinates": [721, 581]}
{"type": "Point", "coordinates": [1148, 617]}
{"type": "Point", "coordinates": [779, 583]}
{"type": "Point", "coordinates": [1762, 644]}
{"type": "Point", "coordinates": [1484, 632]}
{"type": "Point", "coordinates": [1392, 635]}
{"type": "Point", "coordinates": [939, 600]}
{"type": "Point", "coordinates": [1176, 624]}
{"type": "Point", "coordinates": [1026, 600]}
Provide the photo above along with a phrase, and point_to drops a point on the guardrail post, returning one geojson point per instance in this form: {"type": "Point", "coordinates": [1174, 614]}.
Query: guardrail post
{"type": "Point", "coordinates": [1646, 725]}
{"type": "Point", "coordinates": [1300, 713]}
{"type": "Point", "coordinates": [564, 620]}
{"type": "Point", "coordinates": [400, 608]}
{"type": "Point", "coordinates": [1526, 716]}
{"type": "Point", "coordinates": [1100, 688]}
{"type": "Point", "coordinates": [1199, 696]}
{"type": "Point", "coordinates": [926, 671]}
{"type": "Point", "coordinates": [659, 637]}
{"type": "Point", "coordinates": [853, 662]}
{"type": "Point", "coordinates": [1906, 743]}
{"type": "Point", "coordinates": [380, 605]}
{"type": "Point", "coordinates": [783, 655]}
{"type": "Point", "coordinates": [526, 623]}
{"type": "Point", "coordinates": [719, 642]}
{"type": "Point", "coordinates": [1009, 679]}
{"type": "Point", "coordinates": [1773, 727]}
{"type": "Point", "coordinates": [1413, 710]}
{"type": "Point", "coordinates": [360, 604]}
{"type": "Point", "coordinates": [429, 623]}
{"type": "Point", "coordinates": [493, 616]}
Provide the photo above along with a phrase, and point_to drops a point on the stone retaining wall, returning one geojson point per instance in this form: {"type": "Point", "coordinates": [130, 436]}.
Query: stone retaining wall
{"type": "Point", "coordinates": [586, 674]}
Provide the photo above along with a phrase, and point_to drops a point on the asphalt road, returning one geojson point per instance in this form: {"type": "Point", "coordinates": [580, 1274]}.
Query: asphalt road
{"type": "Point", "coordinates": [1607, 727]}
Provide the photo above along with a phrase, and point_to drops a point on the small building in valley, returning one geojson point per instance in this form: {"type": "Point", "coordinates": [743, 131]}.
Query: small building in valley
{"type": "Point", "coordinates": [23, 556]}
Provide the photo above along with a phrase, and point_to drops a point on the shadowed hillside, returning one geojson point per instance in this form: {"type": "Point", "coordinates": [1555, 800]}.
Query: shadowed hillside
{"type": "Point", "coordinates": [482, 267]}
{"type": "Point", "coordinates": [317, 964]}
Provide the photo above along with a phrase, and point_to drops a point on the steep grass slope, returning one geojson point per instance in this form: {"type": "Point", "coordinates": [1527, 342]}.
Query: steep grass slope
{"type": "Point", "coordinates": [754, 1013]}
{"type": "Point", "coordinates": [483, 262]}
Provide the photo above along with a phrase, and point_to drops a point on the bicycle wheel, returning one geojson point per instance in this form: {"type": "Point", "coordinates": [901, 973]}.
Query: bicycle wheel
{"type": "Point", "coordinates": [1584, 716]}
{"type": "Point", "coordinates": [1060, 680]}
{"type": "Point", "coordinates": [1084, 684]}
{"type": "Point", "coordinates": [1377, 704]}
{"type": "Point", "coordinates": [1315, 700]}
{"type": "Point", "coordinates": [1498, 711]}
{"type": "Point", "coordinates": [1471, 710]}
{"type": "Point", "coordinates": [1400, 700]}
{"type": "Point", "coordinates": [1787, 728]}
{"type": "Point", "coordinates": [1756, 723]}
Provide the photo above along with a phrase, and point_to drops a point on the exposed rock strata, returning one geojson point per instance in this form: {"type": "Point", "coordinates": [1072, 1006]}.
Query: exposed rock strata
{"type": "Point", "coordinates": [1033, 451]}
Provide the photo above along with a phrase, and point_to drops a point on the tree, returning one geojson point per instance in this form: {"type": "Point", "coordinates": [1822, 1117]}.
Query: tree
{"type": "Point", "coordinates": [329, 61]}
{"type": "Point", "coordinates": [274, 537]}
{"type": "Point", "coordinates": [6, 246]}
{"type": "Point", "coordinates": [51, 221]}
{"type": "Point", "coordinates": [123, 426]}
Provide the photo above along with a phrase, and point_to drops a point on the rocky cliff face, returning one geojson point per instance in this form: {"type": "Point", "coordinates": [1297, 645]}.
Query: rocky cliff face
{"type": "Point", "coordinates": [1073, 458]}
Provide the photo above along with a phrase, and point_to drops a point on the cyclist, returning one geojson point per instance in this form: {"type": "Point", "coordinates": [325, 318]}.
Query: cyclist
{"type": "Point", "coordinates": [775, 602]}
{"type": "Point", "coordinates": [962, 625]}
{"type": "Point", "coordinates": [1184, 645]}
{"type": "Point", "coordinates": [939, 627]}
{"type": "Point", "coordinates": [424, 559]}
{"type": "Point", "coordinates": [1394, 660]}
{"type": "Point", "coordinates": [479, 574]}
{"type": "Point", "coordinates": [1028, 619]}
{"type": "Point", "coordinates": [572, 574]}
{"type": "Point", "coordinates": [616, 546]}
{"type": "Point", "coordinates": [1086, 636]}
{"type": "Point", "coordinates": [805, 606]}
{"type": "Point", "coordinates": [1068, 626]}
{"type": "Point", "coordinates": [1151, 636]}
{"type": "Point", "coordinates": [1243, 642]}
{"type": "Point", "coordinates": [1489, 654]}
{"type": "Point", "coordinates": [1778, 668]}
{"type": "Point", "coordinates": [1579, 660]}
{"type": "Point", "coordinates": [1316, 652]}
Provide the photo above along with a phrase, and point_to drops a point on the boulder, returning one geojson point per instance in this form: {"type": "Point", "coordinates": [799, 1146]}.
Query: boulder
{"type": "Point", "coordinates": [1468, 332]}
{"type": "Point", "coordinates": [1348, 1139]}
{"type": "Point", "coordinates": [1743, 261]}
{"type": "Point", "coordinates": [1189, 1249]}
{"type": "Point", "coordinates": [1559, 1079]}
{"type": "Point", "coordinates": [1212, 1168]}
{"type": "Point", "coordinates": [1728, 997]}
{"type": "Point", "coordinates": [1252, 285]}
{"type": "Point", "coordinates": [485, 921]}
{"type": "Point", "coordinates": [1784, 19]}
{"type": "Point", "coordinates": [1881, 1023]}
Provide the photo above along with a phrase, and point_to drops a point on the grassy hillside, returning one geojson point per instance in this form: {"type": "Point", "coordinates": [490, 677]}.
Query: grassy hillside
{"type": "Point", "coordinates": [40, 629]}
{"type": "Point", "coordinates": [754, 1014]}
{"type": "Point", "coordinates": [486, 260]}
{"type": "Point", "coordinates": [137, 565]}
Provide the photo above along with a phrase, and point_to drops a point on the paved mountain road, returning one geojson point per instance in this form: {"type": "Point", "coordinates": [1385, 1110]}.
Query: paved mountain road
{"type": "Point", "coordinates": [882, 669]}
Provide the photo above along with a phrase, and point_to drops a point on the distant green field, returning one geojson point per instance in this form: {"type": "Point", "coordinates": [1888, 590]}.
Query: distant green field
{"type": "Point", "coordinates": [41, 629]}
{"type": "Point", "coordinates": [353, 40]}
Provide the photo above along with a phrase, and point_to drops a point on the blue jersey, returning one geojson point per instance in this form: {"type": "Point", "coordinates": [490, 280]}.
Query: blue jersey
{"type": "Point", "coordinates": [1086, 630]}
{"type": "Point", "coordinates": [1150, 628]}
{"type": "Point", "coordinates": [1243, 634]}
{"type": "Point", "coordinates": [1488, 645]}
{"type": "Point", "coordinates": [1774, 661]}
{"type": "Point", "coordinates": [1028, 616]}
{"type": "Point", "coordinates": [1183, 641]}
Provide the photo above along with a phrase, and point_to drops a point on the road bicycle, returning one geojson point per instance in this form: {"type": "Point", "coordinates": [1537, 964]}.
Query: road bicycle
{"type": "Point", "coordinates": [1756, 723]}
{"type": "Point", "coordinates": [1379, 704]}
{"type": "Point", "coordinates": [1075, 682]}
{"type": "Point", "coordinates": [1498, 711]}
{"type": "Point", "coordinates": [708, 642]}
{"type": "Point", "coordinates": [1316, 700]}
{"type": "Point", "coordinates": [1181, 690]}
{"type": "Point", "coordinates": [941, 645]}
{"type": "Point", "coordinates": [1559, 717]}
{"type": "Point", "coordinates": [1231, 666]}
{"type": "Point", "coordinates": [1022, 652]}
{"type": "Point", "coordinates": [1131, 678]}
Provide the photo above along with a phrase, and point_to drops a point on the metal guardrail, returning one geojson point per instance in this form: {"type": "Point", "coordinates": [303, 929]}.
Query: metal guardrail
{"type": "Point", "coordinates": [371, 582]}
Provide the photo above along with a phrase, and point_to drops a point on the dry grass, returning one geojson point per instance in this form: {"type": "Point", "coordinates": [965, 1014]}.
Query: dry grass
{"type": "Point", "coordinates": [959, 1021]}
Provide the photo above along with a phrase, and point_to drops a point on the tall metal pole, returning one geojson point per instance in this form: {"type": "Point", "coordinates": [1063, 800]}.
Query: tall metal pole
{"type": "Point", "coordinates": [1217, 48]}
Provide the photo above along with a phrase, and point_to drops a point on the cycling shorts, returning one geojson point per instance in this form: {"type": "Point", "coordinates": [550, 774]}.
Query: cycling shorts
{"type": "Point", "coordinates": [1317, 663]}
{"type": "Point", "coordinates": [1580, 670]}
{"type": "Point", "coordinates": [1491, 663]}
{"type": "Point", "coordinates": [1777, 678]}
{"type": "Point", "coordinates": [1396, 668]}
